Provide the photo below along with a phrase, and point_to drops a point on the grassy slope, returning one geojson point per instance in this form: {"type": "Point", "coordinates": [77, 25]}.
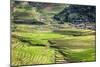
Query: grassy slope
{"type": "Point", "coordinates": [23, 54]}
{"type": "Point", "coordinates": [32, 45]}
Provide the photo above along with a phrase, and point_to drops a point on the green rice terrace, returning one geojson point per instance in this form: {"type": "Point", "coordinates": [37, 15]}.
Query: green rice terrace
{"type": "Point", "coordinates": [49, 47]}
{"type": "Point", "coordinates": [49, 38]}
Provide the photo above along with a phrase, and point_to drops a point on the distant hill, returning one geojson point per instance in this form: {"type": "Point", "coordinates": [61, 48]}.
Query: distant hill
{"type": "Point", "coordinates": [76, 13]}
{"type": "Point", "coordinates": [49, 13]}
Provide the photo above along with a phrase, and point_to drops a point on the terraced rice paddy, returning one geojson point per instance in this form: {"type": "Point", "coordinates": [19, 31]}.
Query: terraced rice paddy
{"type": "Point", "coordinates": [31, 46]}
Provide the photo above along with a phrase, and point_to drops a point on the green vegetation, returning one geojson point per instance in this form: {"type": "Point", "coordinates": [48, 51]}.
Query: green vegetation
{"type": "Point", "coordinates": [51, 42]}
{"type": "Point", "coordinates": [32, 55]}
{"type": "Point", "coordinates": [34, 48]}
{"type": "Point", "coordinates": [79, 55]}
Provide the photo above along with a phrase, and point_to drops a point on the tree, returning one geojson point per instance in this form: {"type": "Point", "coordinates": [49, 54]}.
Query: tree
{"type": "Point", "coordinates": [76, 12]}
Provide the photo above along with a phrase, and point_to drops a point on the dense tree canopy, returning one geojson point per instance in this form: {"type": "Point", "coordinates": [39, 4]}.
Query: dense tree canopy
{"type": "Point", "coordinates": [77, 12]}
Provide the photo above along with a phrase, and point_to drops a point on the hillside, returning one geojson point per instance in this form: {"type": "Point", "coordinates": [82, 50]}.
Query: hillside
{"type": "Point", "coordinates": [53, 13]}
{"type": "Point", "coordinates": [76, 13]}
{"type": "Point", "coordinates": [51, 33]}
{"type": "Point", "coordinates": [43, 12]}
